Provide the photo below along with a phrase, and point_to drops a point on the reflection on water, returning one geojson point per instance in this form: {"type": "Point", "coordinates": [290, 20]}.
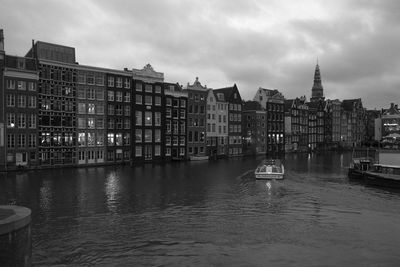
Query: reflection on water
{"type": "Point", "coordinates": [208, 213]}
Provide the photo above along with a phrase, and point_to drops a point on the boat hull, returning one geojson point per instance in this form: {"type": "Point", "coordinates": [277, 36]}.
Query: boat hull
{"type": "Point", "coordinates": [269, 176]}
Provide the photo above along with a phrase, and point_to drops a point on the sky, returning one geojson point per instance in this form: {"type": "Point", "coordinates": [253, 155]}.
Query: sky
{"type": "Point", "coordinates": [250, 43]}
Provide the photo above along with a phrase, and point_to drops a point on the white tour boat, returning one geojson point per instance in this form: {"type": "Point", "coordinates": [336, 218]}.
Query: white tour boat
{"type": "Point", "coordinates": [270, 169]}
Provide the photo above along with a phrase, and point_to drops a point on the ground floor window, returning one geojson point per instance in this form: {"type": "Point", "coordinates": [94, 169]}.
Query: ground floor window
{"type": "Point", "coordinates": [126, 154]}
{"type": "Point", "coordinates": [157, 150]}
{"type": "Point", "coordinates": [138, 151]}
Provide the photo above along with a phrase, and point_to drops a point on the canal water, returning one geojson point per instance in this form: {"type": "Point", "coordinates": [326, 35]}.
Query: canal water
{"type": "Point", "coordinates": [208, 214]}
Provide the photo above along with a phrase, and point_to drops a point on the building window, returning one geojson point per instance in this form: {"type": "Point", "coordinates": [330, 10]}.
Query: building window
{"type": "Point", "coordinates": [168, 140]}
{"type": "Point", "coordinates": [175, 102]}
{"type": "Point", "coordinates": [10, 141]}
{"type": "Point", "coordinates": [31, 86]}
{"type": "Point", "coordinates": [110, 109]}
{"type": "Point", "coordinates": [110, 95]}
{"type": "Point", "coordinates": [168, 101]}
{"type": "Point", "coordinates": [91, 139]}
{"type": "Point", "coordinates": [127, 111]}
{"type": "Point", "coordinates": [182, 151]}
{"type": "Point", "coordinates": [138, 116]}
{"type": "Point", "coordinates": [32, 140]}
{"type": "Point", "coordinates": [168, 151]}
{"type": "Point", "coordinates": [81, 123]}
{"type": "Point", "coordinates": [148, 88]}
{"type": "Point", "coordinates": [183, 128]}
{"type": "Point", "coordinates": [100, 80]}
{"type": "Point", "coordinates": [91, 123]}
{"type": "Point", "coordinates": [175, 129]}
{"type": "Point", "coordinates": [32, 121]}
{"type": "Point", "coordinates": [110, 123]}
{"type": "Point", "coordinates": [157, 118]}
{"type": "Point", "coordinates": [157, 135]}
{"type": "Point", "coordinates": [91, 93]}
{"type": "Point", "coordinates": [90, 79]}
{"type": "Point", "coordinates": [148, 100]}
{"type": "Point", "coordinates": [91, 108]}
{"type": "Point", "coordinates": [119, 82]}
{"type": "Point", "coordinates": [81, 139]}
{"type": "Point", "coordinates": [10, 84]}
{"type": "Point", "coordinates": [168, 126]}
{"type": "Point", "coordinates": [148, 135]}
{"type": "Point", "coordinates": [127, 83]}
{"type": "Point", "coordinates": [127, 124]}
{"type": "Point", "coordinates": [118, 96]}
{"type": "Point", "coordinates": [182, 114]}
{"type": "Point", "coordinates": [81, 108]}
{"type": "Point", "coordinates": [138, 87]}
{"type": "Point", "coordinates": [21, 140]}
{"type": "Point", "coordinates": [21, 85]}
{"type": "Point", "coordinates": [182, 140]}
{"type": "Point", "coordinates": [183, 103]}
{"type": "Point", "coordinates": [138, 151]}
{"type": "Point", "coordinates": [32, 101]}
{"type": "Point", "coordinates": [10, 120]}
{"type": "Point", "coordinates": [81, 78]}
{"type": "Point", "coordinates": [110, 81]}
{"type": "Point", "coordinates": [100, 139]}
{"type": "Point", "coordinates": [157, 150]}
{"type": "Point", "coordinates": [100, 123]}
{"type": "Point", "coordinates": [10, 100]}
{"type": "Point", "coordinates": [157, 101]}
{"type": "Point", "coordinates": [100, 94]}
{"type": "Point", "coordinates": [138, 135]}
{"type": "Point", "coordinates": [100, 108]}
{"type": "Point", "coordinates": [139, 99]}
{"type": "Point", "coordinates": [118, 110]}
{"type": "Point", "coordinates": [21, 101]}
{"type": "Point", "coordinates": [127, 97]}
{"type": "Point", "coordinates": [118, 139]}
{"type": "Point", "coordinates": [148, 118]}
{"type": "Point", "coordinates": [110, 139]}
{"type": "Point", "coordinates": [175, 140]}
{"type": "Point", "coordinates": [158, 89]}
{"type": "Point", "coordinates": [168, 113]}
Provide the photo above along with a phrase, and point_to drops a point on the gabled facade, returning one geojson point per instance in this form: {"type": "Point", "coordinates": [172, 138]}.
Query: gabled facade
{"type": "Point", "coordinates": [57, 86]}
{"type": "Point", "coordinates": [296, 127]}
{"type": "Point", "coordinates": [18, 125]}
{"type": "Point", "coordinates": [254, 128]}
{"type": "Point", "coordinates": [152, 124]}
{"type": "Point", "coordinates": [233, 98]}
{"type": "Point", "coordinates": [176, 130]}
{"type": "Point", "coordinates": [197, 128]}
{"type": "Point", "coordinates": [353, 128]}
{"type": "Point", "coordinates": [221, 123]}
{"type": "Point", "coordinates": [119, 94]}
{"type": "Point", "coordinates": [332, 123]}
{"type": "Point", "coordinates": [91, 115]}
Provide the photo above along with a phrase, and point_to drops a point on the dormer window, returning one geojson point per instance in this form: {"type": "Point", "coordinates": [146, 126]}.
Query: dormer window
{"type": "Point", "coordinates": [21, 63]}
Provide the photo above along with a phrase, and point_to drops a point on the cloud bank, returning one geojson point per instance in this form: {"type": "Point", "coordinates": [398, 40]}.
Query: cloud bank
{"type": "Point", "coordinates": [272, 44]}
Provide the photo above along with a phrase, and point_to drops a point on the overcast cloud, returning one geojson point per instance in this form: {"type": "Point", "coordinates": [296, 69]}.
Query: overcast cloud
{"type": "Point", "coordinates": [272, 44]}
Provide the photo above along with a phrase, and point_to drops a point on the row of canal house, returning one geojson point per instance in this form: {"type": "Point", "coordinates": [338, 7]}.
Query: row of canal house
{"type": "Point", "coordinates": [57, 112]}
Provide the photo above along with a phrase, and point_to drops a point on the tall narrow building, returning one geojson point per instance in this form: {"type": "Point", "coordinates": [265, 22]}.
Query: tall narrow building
{"type": "Point", "coordinates": [317, 92]}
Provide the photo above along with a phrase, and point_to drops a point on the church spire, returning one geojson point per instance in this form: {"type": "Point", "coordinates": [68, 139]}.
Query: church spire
{"type": "Point", "coordinates": [317, 91]}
